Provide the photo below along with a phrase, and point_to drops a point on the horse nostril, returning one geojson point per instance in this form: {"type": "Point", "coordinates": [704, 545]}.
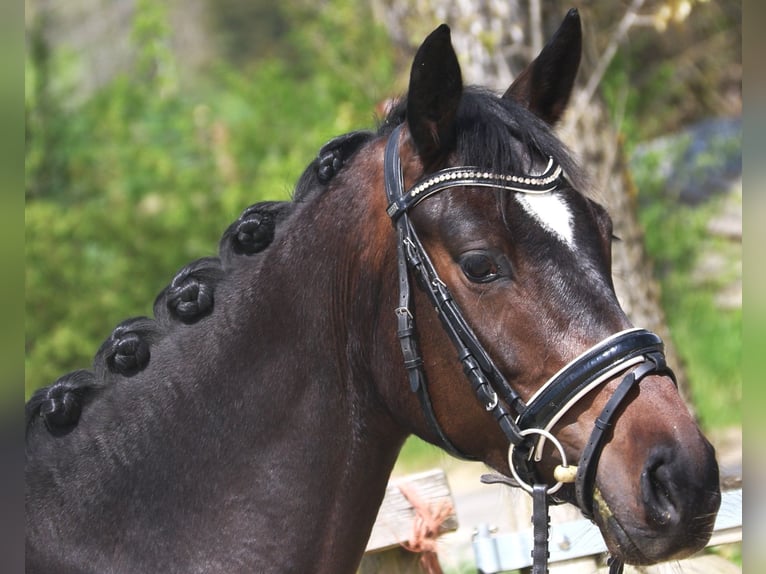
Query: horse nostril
{"type": "Point", "coordinates": [660, 489]}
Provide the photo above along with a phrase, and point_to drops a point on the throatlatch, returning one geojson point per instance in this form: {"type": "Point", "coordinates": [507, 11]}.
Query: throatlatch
{"type": "Point", "coordinates": [633, 353]}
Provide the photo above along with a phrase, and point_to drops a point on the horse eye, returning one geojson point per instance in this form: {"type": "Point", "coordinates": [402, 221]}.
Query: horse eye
{"type": "Point", "coordinates": [479, 267]}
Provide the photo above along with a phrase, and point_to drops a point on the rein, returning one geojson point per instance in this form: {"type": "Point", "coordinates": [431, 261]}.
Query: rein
{"type": "Point", "coordinates": [637, 351]}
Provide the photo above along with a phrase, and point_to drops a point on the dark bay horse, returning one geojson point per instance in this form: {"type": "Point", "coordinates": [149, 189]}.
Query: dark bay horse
{"type": "Point", "coordinates": [252, 424]}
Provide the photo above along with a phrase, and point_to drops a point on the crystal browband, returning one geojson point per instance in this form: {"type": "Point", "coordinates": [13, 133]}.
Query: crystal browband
{"type": "Point", "coordinates": [475, 177]}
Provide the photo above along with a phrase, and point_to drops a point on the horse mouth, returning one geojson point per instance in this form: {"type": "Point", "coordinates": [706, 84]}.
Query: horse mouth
{"type": "Point", "coordinates": [645, 544]}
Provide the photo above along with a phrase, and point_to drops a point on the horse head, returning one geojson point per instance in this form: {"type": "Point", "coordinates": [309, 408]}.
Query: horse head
{"type": "Point", "coordinates": [493, 217]}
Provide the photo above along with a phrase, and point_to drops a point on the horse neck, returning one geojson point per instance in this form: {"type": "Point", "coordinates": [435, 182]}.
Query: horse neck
{"type": "Point", "coordinates": [263, 421]}
{"type": "Point", "coordinates": [340, 441]}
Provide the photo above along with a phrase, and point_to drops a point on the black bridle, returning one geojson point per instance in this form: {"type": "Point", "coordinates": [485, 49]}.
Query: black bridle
{"type": "Point", "coordinates": [637, 351]}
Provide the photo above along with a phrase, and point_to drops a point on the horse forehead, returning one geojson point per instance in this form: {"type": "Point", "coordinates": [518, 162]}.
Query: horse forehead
{"type": "Point", "coordinates": [552, 212]}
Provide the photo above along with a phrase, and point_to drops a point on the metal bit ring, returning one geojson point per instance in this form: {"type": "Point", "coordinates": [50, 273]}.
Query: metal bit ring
{"type": "Point", "coordinates": [556, 443]}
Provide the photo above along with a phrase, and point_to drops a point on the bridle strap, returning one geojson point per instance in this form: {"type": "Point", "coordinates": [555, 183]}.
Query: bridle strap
{"type": "Point", "coordinates": [413, 362]}
{"type": "Point", "coordinates": [572, 379]}
{"type": "Point", "coordinates": [474, 177]}
{"type": "Point", "coordinates": [602, 362]}
{"type": "Point", "coordinates": [541, 522]}
{"type": "Point", "coordinates": [477, 365]}
{"type": "Point", "coordinates": [586, 469]}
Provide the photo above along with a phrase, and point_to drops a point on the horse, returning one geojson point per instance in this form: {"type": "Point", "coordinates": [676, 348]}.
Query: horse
{"type": "Point", "coordinates": [445, 275]}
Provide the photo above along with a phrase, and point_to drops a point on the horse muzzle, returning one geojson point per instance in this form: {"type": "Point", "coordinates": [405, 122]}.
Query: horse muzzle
{"type": "Point", "coordinates": [669, 508]}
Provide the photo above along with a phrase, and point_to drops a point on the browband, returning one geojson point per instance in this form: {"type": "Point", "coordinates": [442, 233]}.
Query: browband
{"type": "Point", "coordinates": [474, 177]}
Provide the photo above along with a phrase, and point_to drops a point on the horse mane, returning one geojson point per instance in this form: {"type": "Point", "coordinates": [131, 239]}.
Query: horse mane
{"type": "Point", "coordinates": [330, 160]}
{"type": "Point", "coordinates": [189, 297]}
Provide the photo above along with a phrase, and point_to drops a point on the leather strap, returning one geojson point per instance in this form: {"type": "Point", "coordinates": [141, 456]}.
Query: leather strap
{"type": "Point", "coordinates": [540, 529]}
{"type": "Point", "coordinates": [615, 565]}
{"type": "Point", "coordinates": [588, 465]}
{"type": "Point", "coordinates": [570, 381]}
{"type": "Point", "coordinates": [413, 361]}
{"type": "Point", "coordinates": [474, 177]}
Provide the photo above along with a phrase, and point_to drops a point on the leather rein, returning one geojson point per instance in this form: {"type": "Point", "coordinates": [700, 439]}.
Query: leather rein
{"type": "Point", "coordinates": [636, 352]}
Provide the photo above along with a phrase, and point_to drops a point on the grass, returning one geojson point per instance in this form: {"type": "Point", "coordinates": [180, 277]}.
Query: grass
{"type": "Point", "coordinates": [417, 455]}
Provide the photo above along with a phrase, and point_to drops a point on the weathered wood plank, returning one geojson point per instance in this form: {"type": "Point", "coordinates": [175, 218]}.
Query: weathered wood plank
{"type": "Point", "coordinates": [396, 516]}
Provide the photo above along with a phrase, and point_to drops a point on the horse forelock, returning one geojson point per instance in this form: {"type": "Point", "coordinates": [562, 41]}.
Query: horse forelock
{"type": "Point", "coordinates": [500, 135]}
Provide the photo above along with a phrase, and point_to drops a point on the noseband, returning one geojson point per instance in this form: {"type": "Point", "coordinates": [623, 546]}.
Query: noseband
{"type": "Point", "coordinates": [526, 425]}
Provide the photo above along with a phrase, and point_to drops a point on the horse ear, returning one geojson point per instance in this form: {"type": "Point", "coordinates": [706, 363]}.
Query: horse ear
{"type": "Point", "coordinates": [434, 94]}
{"type": "Point", "coordinates": [545, 85]}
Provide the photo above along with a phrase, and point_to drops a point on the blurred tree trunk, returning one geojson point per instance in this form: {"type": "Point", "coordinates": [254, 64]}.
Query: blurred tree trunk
{"type": "Point", "coordinates": [98, 34]}
{"type": "Point", "coordinates": [593, 137]}
{"type": "Point", "coordinates": [495, 40]}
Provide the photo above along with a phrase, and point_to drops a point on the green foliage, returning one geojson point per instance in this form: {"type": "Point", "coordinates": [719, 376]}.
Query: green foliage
{"type": "Point", "coordinates": [685, 71]}
{"type": "Point", "coordinates": [658, 83]}
{"type": "Point", "coordinates": [144, 176]}
{"type": "Point", "coordinates": [637, 109]}
{"type": "Point", "coordinates": [417, 455]}
{"type": "Point", "coordinates": [247, 30]}
{"type": "Point", "coordinates": [708, 337]}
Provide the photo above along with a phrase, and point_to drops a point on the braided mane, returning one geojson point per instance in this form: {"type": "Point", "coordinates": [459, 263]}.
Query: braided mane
{"type": "Point", "coordinates": [189, 297]}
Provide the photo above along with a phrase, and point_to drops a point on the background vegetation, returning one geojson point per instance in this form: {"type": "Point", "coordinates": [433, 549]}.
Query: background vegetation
{"type": "Point", "coordinates": [146, 173]}
{"type": "Point", "coordinates": [133, 179]}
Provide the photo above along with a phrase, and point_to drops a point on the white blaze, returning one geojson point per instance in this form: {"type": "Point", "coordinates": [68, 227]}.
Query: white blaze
{"type": "Point", "coordinates": [551, 211]}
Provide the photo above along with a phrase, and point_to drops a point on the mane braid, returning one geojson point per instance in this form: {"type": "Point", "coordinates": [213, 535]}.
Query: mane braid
{"type": "Point", "coordinates": [329, 161]}
{"type": "Point", "coordinates": [126, 352]}
{"type": "Point", "coordinates": [60, 404]}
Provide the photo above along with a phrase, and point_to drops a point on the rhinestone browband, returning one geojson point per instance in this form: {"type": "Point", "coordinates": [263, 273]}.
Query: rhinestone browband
{"type": "Point", "coordinates": [473, 176]}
